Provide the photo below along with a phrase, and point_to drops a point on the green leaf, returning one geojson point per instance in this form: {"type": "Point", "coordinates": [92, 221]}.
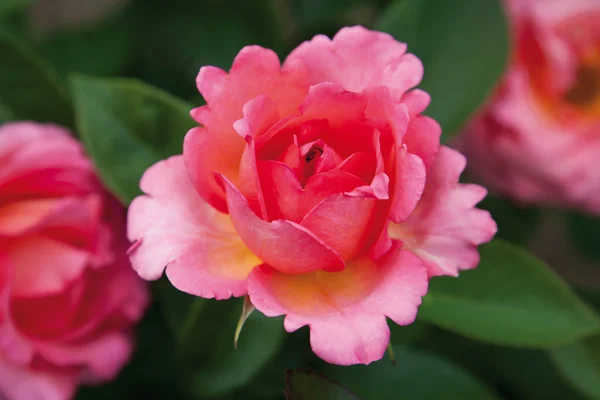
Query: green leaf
{"type": "Point", "coordinates": [175, 40]}
{"type": "Point", "coordinates": [416, 375]}
{"type": "Point", "coordinates": [152, 371]}
{"type": "Point", "coordinates": [104, 49]}
{"type": "Point", "coordinates": [127, 126]}
{"type": "Point", "coordinates": [514, 373]}
{"type": "Point", "coordinates": [585, 233]}
{"type": "Point", "coordinates": [511, 298]}
{"type": "Point", "coordinates": [463, 45]}
{"type": "Point", "coordinates": [204, 332]}
{"type": "Point", "coordinates": [311, 12]}
{"type": "Point", "coordinates": [5, 114]}
{"type": "Point", "coordinates": [10, 6]}
{"type": "Point", "coordinates": [305, 385]}
{"type": "Point", "coordinates": [580, 365]}
{"type": "Point", "coordinates": [29, 87]}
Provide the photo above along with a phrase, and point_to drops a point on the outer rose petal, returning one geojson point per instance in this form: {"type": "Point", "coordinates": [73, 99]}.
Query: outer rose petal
{"type": "Point", "coordinates": [19, 383]}
{"type": "Point", "coordinates": [346, 310]}
{"type": "Point", "coordinates": [423, 138]}
{"type": "Point", "coordinates": [60, 169]}
{"type": "Point", "coordinates": [282, 244]}
{"type": "Point", "coordinates": [217, 147]}
{"type": "Point", "coordinates": [446, 228]}
{"type": "Point", "coordinates": [357, 59]}
{"type": "Point", "coordinates": [175, 228]}
{"type": "Point", "coordinates": [104, 356]}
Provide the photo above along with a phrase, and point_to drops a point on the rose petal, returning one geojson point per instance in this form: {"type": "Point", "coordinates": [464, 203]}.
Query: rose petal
{"type": "Point", "coordinates": [345, 310]}
{"type": "Point", "coordinates": [416, 101]}
{"type": "Point", "coordinates": [285, 245]}
{"type": "Point", "coordinates": [173, 227]}
{"type": "Point", "coordinates": [104, 356]}
{"type": "Point", "coordinates": [23, 383]}
{"type": "Point", "coordinates": [44, 266]}
{"type": "Point", "coordinates": [29, 166]}
{"type": "Point", "coordinates": [249, 183]}
{"type": "Point", "coordinates": [423, 138]}
{"type": "Point", "coordinates": [217, 147]}
{"type": "Point", "coordinates": [446, 228]}
{"type": "Point", "coordinates": [407, 184]}
{"type": "Point", "coordinates": [342, 222]}
{"type": "Point", "coordinates": [285, 198]}
{"type": "Point", "coordinates": [259, 114]}
{"type": "Point", "coordinates": [357, 59]}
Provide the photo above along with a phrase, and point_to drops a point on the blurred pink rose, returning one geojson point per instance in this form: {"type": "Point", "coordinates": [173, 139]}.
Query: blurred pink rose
{"type": "Point", "coordinates": [539, 139]}
{"type": "Point", "coordinates": [68, 296]}
{"type": "Point", "coordinates": [316, 188]}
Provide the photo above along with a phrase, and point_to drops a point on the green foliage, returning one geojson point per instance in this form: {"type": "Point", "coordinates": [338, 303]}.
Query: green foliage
{"type": "Point", "coordinates": [176, 38]}
{"type": "Point", "coordinates": [29, 87]}
{"type": "Point", "coordinates": [580, 364]}
{"type": "Point", "coordinates": [516, 223]}
{"type": "Point", "coordinates": [103, 50]}
{"type": "Point", "coordinates": [416, 375]}
{"type": "Point", "coordinates": [7, 7]}
{"type": "Point", "coordinates": [463, 45]}
{"type": "Point", "coordinates": [204, 332]}
{"type": "Point", "coordinates": [512, 298]}
{"type": "Point", "coordinates": [305, 385]}
{"type": "Point", "coordinates": [584, 232]}
{"type": "Point", "coordinates": [127, 126]}
{"type": "Point", "coordinates": [514, 373]}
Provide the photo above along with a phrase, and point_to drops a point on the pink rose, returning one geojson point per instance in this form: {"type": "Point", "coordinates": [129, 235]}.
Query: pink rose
{"type": "Point", "coordinates": [539, 139]}
{"type": "Point", "coordinates": [68, 295]}
{"type": "Point", "coordinates": [315, 188]}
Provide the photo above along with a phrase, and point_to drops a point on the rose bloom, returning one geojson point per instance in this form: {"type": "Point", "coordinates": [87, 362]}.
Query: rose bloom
{"type": "Point", "coordinates": [69, 297]}
{"type": "Point", "coordinates": [539, 139]}
{"type": "Point", "coordinates": [315, 188]}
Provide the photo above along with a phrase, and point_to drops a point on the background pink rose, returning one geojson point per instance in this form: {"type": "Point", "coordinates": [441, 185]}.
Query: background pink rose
{"type": "Point", "coordinates": [317, 189]}
{"type": "Point", "coordinates": [539, 139]}
{"type": "Point", "coordinates": [68, 298]}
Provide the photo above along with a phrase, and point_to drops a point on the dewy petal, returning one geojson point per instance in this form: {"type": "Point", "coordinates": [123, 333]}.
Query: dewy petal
{"type": "Point", "coordinates": [217, 147]}
{"type": "Point", "coordinates": [357, 59]}
{"type": "Point", "coordinates": [446, 228]}
{"type": "Point", "coordinates": [407, 184]}
{"type": "Point", "coordinates": [285, 245]}
{"type": "Point", "coordinates": [345, 310]}
{"type": "Point", "coordinates": [175, 228]}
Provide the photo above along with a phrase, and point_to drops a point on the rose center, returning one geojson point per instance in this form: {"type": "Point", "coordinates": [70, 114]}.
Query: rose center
{"type": "Point", "coordinates": [313, 153]}
{"type": "Point", "coordinates": [585, 92]}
